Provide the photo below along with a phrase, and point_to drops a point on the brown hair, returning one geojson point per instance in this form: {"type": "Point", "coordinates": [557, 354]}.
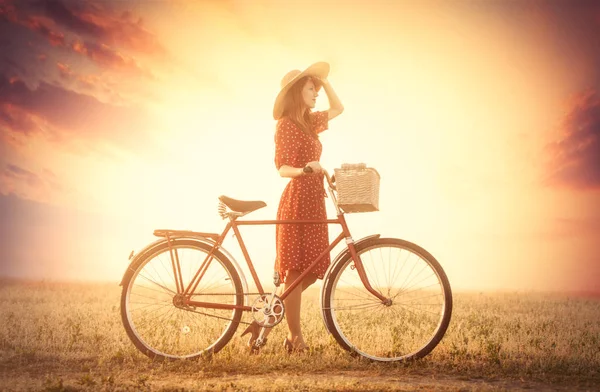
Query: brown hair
{"type": "Point", "coordinates": [295, 108]}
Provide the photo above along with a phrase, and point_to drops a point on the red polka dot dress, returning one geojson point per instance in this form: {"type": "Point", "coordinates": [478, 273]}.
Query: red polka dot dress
{"type": "Point", "coordinates": [298, 245]}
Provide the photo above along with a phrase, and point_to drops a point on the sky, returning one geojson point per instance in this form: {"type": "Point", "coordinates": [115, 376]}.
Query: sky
{"type": "Point", "coordinates": [482, 118]}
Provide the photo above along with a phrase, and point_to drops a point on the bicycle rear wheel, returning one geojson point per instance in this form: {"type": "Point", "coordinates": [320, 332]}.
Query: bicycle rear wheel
{"type": "Point", "coordinates": [158, 323]}
{"type": "Point", "coordinates": [420, 309]}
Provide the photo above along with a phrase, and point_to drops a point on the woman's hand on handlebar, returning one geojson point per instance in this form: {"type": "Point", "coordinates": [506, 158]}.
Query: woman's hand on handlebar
{"type": "Point", "coordinates": [315, 166]}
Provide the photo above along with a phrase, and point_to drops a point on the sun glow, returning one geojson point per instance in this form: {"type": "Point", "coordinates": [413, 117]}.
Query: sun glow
{"type": "Point", "coordinates": [445, 103]}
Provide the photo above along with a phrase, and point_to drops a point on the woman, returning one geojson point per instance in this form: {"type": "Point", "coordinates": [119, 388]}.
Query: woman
{"type": "Point", "coordinates": [297, 154]}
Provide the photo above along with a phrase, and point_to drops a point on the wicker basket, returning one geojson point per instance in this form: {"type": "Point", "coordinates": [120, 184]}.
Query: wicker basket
{"type": "Point", "coordinates": [357, 188]}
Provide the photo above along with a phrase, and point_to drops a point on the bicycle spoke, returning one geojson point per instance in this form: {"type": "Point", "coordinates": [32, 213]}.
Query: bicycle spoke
{"type": "Point", "coordinates": [401, 329]}
{"type": "Point", "coordinates": [146, 305]}
{"type": "Point", "coordinates": [147, 297]}
{"type": "Point", "coordinates": [420, 288]}
{"type": "Point", "coordinates": [363, 297]}
{"type": "Point", "coordinates": [159, 275]}
{"type": "Point", "coordinates": [160, 321]}
{"type": "Point", "coordinates": [359, 306]}
{"type": "Point", "coordinates": [421, 310]}
{"type": "Point", "coordinates": [159, 285]}
{"type": "Point", "coordinates": [427, 296]}
{"type": "Point", "coordinates": [423, 268]}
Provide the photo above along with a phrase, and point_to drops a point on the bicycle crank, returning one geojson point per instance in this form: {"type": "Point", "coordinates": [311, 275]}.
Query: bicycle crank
{"type": "Point", "coordinates": [268, 310]}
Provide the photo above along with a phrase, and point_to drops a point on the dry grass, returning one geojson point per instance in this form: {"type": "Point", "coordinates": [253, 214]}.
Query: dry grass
{"type": "Point", "coordinates": [70, 337]}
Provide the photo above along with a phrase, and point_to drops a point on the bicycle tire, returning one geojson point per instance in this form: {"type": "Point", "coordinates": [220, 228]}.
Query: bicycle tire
{"type": "Point", "coordinates": [133, 272]}
{"type": "Point", "coordinates": [338, 332]}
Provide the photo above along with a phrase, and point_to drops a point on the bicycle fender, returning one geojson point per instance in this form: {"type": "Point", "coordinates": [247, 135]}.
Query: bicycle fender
{"type": "Point", "coordinates": [336, 260]}
{"type": "Point", "coordinates": [133, 257]}
{"type": "Point", "coordinates": [207, 241]}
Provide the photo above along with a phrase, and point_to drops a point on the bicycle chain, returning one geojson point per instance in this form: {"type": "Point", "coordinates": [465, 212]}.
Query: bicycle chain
{"type": "Point", "coordinates": [219, 317]}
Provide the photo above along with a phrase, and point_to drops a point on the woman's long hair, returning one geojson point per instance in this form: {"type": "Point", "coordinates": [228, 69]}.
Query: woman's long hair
{"type": "Point", "coordinates": [295, 108]}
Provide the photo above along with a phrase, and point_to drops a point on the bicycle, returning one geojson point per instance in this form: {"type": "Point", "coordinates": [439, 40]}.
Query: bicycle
{"type": "Point", "coordinates": [183, 295]}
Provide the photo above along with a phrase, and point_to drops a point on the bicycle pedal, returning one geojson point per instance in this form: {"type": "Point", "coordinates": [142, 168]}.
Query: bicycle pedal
{"type": "Point", "coordinates": [260, 342]}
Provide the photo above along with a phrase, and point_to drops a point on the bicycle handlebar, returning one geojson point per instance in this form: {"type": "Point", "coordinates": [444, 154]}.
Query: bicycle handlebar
{"type": "Point", "coordinates": [330, 180]}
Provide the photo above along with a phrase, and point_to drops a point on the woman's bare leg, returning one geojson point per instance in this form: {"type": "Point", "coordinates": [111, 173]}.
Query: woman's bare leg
{"type": "Point", "coordinates": [293, 305]}
{"type": "Point", "coordinates": [308, 280]}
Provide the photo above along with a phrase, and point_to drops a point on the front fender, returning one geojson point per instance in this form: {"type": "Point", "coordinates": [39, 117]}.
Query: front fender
{"type": "Point", "coordinates": [208, 241]}
{"type": "Point", "coordinates": [335, 261]}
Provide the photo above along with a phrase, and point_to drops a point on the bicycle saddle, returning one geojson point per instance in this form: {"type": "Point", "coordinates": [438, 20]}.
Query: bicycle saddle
{"type": "Point", "coordinates": [241, 205]}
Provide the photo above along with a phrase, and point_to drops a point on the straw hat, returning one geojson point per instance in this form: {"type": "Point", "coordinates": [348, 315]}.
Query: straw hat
{"type": "Point", "coordinates": [320, 70]}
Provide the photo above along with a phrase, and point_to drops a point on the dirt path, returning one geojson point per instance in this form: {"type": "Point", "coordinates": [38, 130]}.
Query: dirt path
{"type": "Point", "coordinates": [340, 381]}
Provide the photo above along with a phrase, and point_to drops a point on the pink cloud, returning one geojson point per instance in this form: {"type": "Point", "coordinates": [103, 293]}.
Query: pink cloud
{"type": "Point", "coordinates": [65, 70]}
{"type": "Point", "coordinates": [105, 26]}
{"type": "Point", "coordinates": [13, 172]}
{"type": "Point", "coordinates": [97, 33]}
{"type": "Point", "coordinates": [109, 58]}
{"type": "Point", "coordinates": [27, 184]}
{"type": "Point", "coordinates": [8, 11]}
{"type": "Point", "coordinates": [69, 117]}
{"type": "Point", "coordinates": [89, 82]}
{"type": "Point", "coordinates": [574, 159]}
{"type": "Point", "coordinates": [16, 124]}
{"type": "Point", "coordinates": [40, 26]}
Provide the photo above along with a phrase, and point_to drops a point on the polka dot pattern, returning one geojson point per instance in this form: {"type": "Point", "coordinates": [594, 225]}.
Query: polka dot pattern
{"type": "Point", "coordinates": [303, 198]}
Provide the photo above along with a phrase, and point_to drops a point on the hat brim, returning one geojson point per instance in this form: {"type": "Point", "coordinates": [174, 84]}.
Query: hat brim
{"type": "Point", "coordinates": [319, 70]}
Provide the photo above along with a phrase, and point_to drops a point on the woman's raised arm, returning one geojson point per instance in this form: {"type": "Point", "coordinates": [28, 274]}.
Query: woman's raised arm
{"type": "Point", "coordinates": [335, 105]}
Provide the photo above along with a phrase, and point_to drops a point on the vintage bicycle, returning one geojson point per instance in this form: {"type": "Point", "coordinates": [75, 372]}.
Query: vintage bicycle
{"type": "Point", "coordinates": [183, 296]}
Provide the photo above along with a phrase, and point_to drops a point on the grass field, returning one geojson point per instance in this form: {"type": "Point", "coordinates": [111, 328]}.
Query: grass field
{"type": "Point", "coordinates": [70, 337]}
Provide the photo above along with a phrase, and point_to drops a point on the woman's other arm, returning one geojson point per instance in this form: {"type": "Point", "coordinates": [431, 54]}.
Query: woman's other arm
{"type": "Point", "coordinates": [292, 172]}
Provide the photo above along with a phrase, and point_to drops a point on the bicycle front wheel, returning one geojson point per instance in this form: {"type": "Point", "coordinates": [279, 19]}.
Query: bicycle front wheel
{"type": "Point", "coordinates": [421, 301]}
{"type": "Point", "coordinates": [156, 318]}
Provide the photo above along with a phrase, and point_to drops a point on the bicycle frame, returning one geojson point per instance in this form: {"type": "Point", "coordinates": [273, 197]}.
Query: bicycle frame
{"type": "Point", "coordinates": [234, 224]}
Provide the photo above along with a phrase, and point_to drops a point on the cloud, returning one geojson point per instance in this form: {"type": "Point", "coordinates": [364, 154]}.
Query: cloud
{"type": "Point", "coordinates": [27, 184]}
{"type": "Point", "coordinates": [103, 25]}
{"type": "Point", "coordinates": [102, 35]}
{"type": "Point", "coordinates": [61, 14]}
{"type": "Point", "coordinates": [574, 159]}
{"type": "Point", "coordinates": [109, 58]}
{"type": "Point", "coordinates": [10, 13]}
{"type": "Point", "coordinates": [54, 38]}
{"type": "Point", "coordinates": [98, 22]}
{"type": "Point", "coordinates": [65, 70]}
{"type": "Point", "coordinates": [13, 172]}
{"type": "Point", "coordinates": [88, 82]}
{"type": "Point", "coordinates": [17, 120]}
{"type": "Point", "coordinates": [68, 116]}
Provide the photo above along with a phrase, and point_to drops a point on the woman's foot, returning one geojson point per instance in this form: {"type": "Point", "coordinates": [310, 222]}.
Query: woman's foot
{"type": "Point", "coordinates": [295, 345]}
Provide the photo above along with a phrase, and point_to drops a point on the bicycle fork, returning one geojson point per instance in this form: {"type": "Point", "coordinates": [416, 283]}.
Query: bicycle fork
{"type": "Point", "coordinates": [359, 265]}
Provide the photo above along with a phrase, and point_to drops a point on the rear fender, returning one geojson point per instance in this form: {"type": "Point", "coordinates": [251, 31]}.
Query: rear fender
{"type": "Point", "coordinates": [208, 241]}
